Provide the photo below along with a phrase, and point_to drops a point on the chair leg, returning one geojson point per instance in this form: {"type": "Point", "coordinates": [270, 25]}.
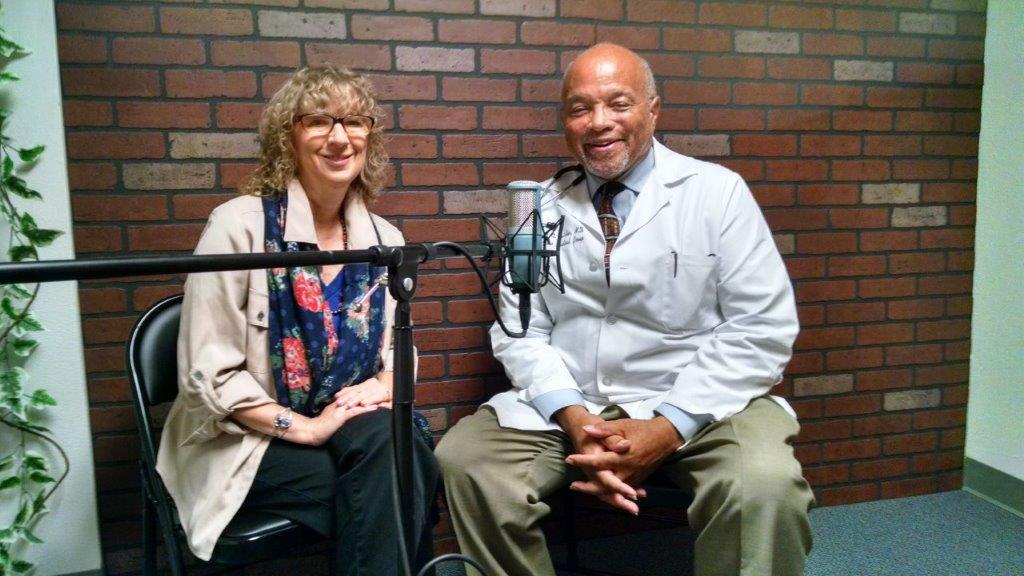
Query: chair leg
{"type": "Point", "coordinates": [149, 536]}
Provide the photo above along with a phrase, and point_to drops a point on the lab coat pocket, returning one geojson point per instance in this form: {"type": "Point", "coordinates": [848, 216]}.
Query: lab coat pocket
{"type": "Point", "coordinates": [689, 288]}
{"type": "Point", "coordinates": [257, 351]}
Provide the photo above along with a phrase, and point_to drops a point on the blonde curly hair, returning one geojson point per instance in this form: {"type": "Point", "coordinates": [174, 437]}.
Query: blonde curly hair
{"type": "Point", "coordinates": [309, 90]}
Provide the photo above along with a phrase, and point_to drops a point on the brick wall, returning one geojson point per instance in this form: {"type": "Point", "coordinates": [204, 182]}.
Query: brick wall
{"type": "Point", "coordinates": [855, 122]}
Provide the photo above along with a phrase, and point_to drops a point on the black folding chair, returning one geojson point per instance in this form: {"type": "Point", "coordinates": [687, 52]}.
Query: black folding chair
{"type": "Point", "coordinates": [152, 371]}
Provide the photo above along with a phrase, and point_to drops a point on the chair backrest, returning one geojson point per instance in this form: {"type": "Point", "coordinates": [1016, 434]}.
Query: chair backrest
{"type": "Point", "coordinates": [153, 366]}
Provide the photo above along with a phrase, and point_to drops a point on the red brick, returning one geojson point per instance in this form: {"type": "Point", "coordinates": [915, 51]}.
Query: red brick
{"type": "Point", "coordinates": [805, 363]}
{"type": "Point", "coordinates": [833, 44]}
{"type": "Point", "coordinates": [81, 49]}
{"type": "Point", "coordinates": [850, 449]}
{"type": "Point", "coordinates": [827, 430]}
{"type": "Point", "coordinates": [164, 237]}
{"type": "Point", "coordinates": [429, 394]}
{"type": "Point", "coordinates": [875, 469]}
{"type": "Point", "coordinates": [966, 169]}
{"type": "Point", "coordinates": [477, 31]}
{"type": "Point", "coordinates": [93, 208]}
{"type": "Point", "coordinates": [920, 169]}
{"type": "Point", "coordinates": [478, 89]}
{"type": "Point", "coordinates": [444, 285]}
{"type": "Point", "coordinates": [518, 118]}
{"type": "Point", "coordinates": [429, 367]}
{"type": "Point", "coordinates": [859, 312]}
{"type": "Point", "coordinates": [915, 354]}
{"type": "Point", "coordinates": [449, 339]}
{"type": "Point", "coordinates": [885, 97]}
{"type": "Point", "coordinates": [502, 173]}
{"type": "Point", "coordinates": [91, 176]}
{"type": "Point", "coordinates": [907, 121]}
{"type": "Point", "coordinates": [949, 192]}
{"type": "Point", "coordinates": [820, 338]}
{"type": "Point", "coordinates": [796, 170]}
{"type": "Point", "coordinates": [158, 51]}
{"type": "Point", "coordinates": [763, 145]}
{"type": "Point", "coordinates": [832, 95]}
{"type": "Point", "coordinates": [412, 146]}
{"type": "Point", "coordinates": [826, 242]}
{"type": "Point", "coordinates": [255, 53]}
{"type": "Point", "coordinates": [731, 67]}
{"type": "Point", "coordinates": [750, 170]}
{"type": "Point", "coordinates": [909, 443]}
{"type": "Point", "coordinates": [924, 73]}
{"type": "Point", "coordinates": [670, 64]}
{"type": "Point", "coordinates": [196, 206]}
{"type": "Point", "coordinates": [404, 87]}
{"type": "Point", "coordinates": [100, 300]}
{"type": "Point", "coordinates": [105, 82]}
{"type": "Point", "coordinates": [595, 9]}
{"type": "Point", "coordinates": [373, 27]}
{"type": "Point", "coordinates": [799, 120]}
{"type": "Point", "coordinates": [955, 396]}
{"type": "Point", "coordinates": [825, 475]}
{"type": "Point", "coordinates": [884, 334]}
{"type": "Point", "coordinates": [853, 359]}
{"type": "Point", "coordinates": [885, 241]}
{"type": "Point", "coordinates": [948, 418]}
{"type": "Point", "coordinates": [910, 309]}
{"type": "Point", "coordinates": [958, 284]}
{"type": "Point", "coordinates": [860, 170]}
{"type": "Point", "coordinates": [145, 296]}
{"type": "Point", "coordinates": [556, 34]}
{"type": "Point", "coordinates": [361, 56]}
{"type": "Point", "coordinates": [635, 37]}
{"type": "Point", "coordinates": [462, 311]}
{"type": "Point", "coordinates": [105, 331]}
{"type": "Point", "coordinates": [764, 93]}
{"type": "Point", "coordinates": [973, 74]}
{"type": "Point", "coordinates": [232, 174]}
{"type": "Point", "coordinates": [439, 174]}
{"type": "Point", "coordinates": [847, 494]}
{"type": "Point", "coordinates": [676, 11]}
{"type": "Point", "coordinates": [206, 21]}
{"type": "Point", "coordinates": [887, 288]}
{"type": "Point", "coordinates": [480, 146]}
{"type": "Point", "coordinates": [87, 113]}
{"type": "Point", "coordinates": [799, 68]}
{"type": "Point", "coordinates": [830, 145]}
{"type": "Point", "coordinates": [865, 20]}
{"type": "Point", "coordinates": [925, 463]}
{"type": "Point", "coordinates": [952, 438]}
{"type": "Point", "coordinates": [851, 405]}
{"type": "Point", "coordinates": [825, 290]}
{"type": "Point", "coordinates": [113, 145]}
{"type": "Point", "coordinates": [105, 18]}
{"type": "Point", "coordinates": [895, 46]}
{"type": "Point", "coordinates": [916, 263]}
{"type": "Point", "coordinates": [800, 17]}
{"type": "Point", "coordinates": [810, 315]}
{"type": "Point", "coordinates": [681, 92]}
{"type": "Point", "coordinates": [437, 117]}
{"type": "Point", "coordinates": [960, 350]}
{"type": "Point", "coordinates": [951, 145]}
{"type": "Point", "coordinates": [516, 61]}
{"type": "Point", "coordinates": [163, 115]}
{"type": "Point", "coordinates": [545, 145]}
{"type": "Point", "coordinates": [796, 219]}
{"type": "Point", "coordinates": [473, 363]}
{"type": "Point", "coordinates": [956, 49]}
{"type": "Point", "coordinates": [953, 98]}
{"type": "Point", "coordinates": [747, 15]}
{"type": "Point", "coordinates": [394, 203]}
{"type": "Point", "coordinates": [855, 265]}
{"type": "Point", "coordinates": [773, 194]}
{"type": "Point", "coordinates": [862, 120]}
{"type": "Point", "coordinates": [443, 6]}
{"type": "Point", "coordinates": [876, 145]}
{"type": "Point", "coordinates": [885, 380]}
{"type": "Point", "coordinates": [209, 84]}
{"type": "Point", "coordinates": [697, 39]}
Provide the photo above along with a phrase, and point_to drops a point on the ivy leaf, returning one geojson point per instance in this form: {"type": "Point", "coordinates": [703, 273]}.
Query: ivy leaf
{"type": "Point", "coordinates": [8, 77]}
{"type": "Point", "coordinates": [22, 566]}
{"type": "Point", "coordinates": [6, 462]}
{"type": "Point", "coordinates": [27, 223]}
{"type": "Point", "coordinates": [18, 187]}
{"type": "Point", "coordinates": [23, 513]}
{"type": "Point", "coordinates": [7, 307]}
{"type": "Point", "coordinates": [31, 154]}
{"type": "Point", "coordinates": [29, 322]}
{"type": "Point", "coordinates": [10, 482]}
{"type": "Point", "coordinates": [40, 502]}
{"type": "Point", "coordinates": [42, 398]}
{"type": "Point", "coordinates": [42, 236]}
{"type": "Point", "coordinates": [11, 381]}
{"type": "Point", "coordinates": [19, 290]}
{"type": "Point", "coordinates": [20, 253]}
{"type": "Point", "coordinates": [31, 537]}
{"type": "Point", "coordinates": [8, 167]}
{"type": "Point", "coordinates": [7, 535]}
{"type": "Point", "coordinates": [34, 461]}
{"type": "Point", "coordinates": [9, 49]}
{"type": "Point", "coordinates": [40, 477]}
{"type": "Point", "coordinates": [23, 347]}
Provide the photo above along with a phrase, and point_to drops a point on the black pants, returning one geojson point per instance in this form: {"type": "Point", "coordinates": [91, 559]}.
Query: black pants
{"type": "Point", "coordinates": [344, 489]}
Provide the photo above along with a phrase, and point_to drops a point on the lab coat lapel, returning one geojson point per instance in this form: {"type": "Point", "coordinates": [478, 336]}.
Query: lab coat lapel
{"type": "Point", "coordinates": [575, 202]}
{"type": "Point", "coordinates": [669, 172]}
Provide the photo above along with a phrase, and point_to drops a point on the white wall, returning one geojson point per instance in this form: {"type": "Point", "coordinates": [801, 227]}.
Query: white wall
{"type": "Point", "coordinates": [995, 410]}
{"type": "Point", "coordinates": [71, 529]}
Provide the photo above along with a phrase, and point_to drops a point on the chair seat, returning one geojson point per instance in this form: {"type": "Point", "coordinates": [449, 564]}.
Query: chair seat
{"type": "Point", "coordinates": [277, 537]}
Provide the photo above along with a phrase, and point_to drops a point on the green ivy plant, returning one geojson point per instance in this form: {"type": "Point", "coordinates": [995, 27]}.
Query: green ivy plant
{"type": "Point", "coordinates": [26, 469]}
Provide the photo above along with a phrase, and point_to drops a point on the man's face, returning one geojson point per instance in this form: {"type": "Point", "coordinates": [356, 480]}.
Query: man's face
{"type": "Point", "coordinates": [609, 119]}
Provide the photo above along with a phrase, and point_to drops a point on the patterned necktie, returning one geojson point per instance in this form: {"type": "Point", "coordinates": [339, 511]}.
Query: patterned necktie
{"type": "Point", "coordinates": [609, 221]}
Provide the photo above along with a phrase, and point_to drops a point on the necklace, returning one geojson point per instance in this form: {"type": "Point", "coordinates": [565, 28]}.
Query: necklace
{"type": "Point", "coordinates": [382, 280]}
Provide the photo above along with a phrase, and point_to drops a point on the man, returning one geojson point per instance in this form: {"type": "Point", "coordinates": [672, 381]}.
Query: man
{"type": "Point", "coordinates": [659, 354]}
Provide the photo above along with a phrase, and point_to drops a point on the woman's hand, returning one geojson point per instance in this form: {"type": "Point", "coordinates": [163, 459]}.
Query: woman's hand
{"type": "Point", "coordinates": [318, 430]}
{"type": "Point", "coordinates": [375, 391]}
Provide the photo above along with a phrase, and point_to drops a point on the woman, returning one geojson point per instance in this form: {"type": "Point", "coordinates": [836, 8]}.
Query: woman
{"type": "Point", "coordinates": [285, 374]}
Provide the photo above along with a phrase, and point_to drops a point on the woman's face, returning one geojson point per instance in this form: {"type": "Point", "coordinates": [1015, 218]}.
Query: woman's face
{"type": "Point", "coordinates": [331, 160]}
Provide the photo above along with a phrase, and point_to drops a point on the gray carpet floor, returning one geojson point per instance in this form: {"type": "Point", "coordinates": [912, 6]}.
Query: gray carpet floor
{"type": "Point", "coordinates": [948, 534]}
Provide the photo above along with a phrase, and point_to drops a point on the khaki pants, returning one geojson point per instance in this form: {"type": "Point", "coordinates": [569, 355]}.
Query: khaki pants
{"type": "Point", "coordinates": [749, 509]}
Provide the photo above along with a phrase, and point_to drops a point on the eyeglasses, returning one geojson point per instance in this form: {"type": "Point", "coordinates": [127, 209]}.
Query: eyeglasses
{"type": "Point", "coordinates": [355, 125]}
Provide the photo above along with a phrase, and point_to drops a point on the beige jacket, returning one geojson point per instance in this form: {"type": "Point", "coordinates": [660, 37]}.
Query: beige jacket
{"type": "Point", "coordinates": [208, 461]}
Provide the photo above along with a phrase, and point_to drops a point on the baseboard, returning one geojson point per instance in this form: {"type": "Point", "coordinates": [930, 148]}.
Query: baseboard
{"type": "Point", "coordinates": [994, 485]}
{"type": "Point", "coordinates": [96, 572]}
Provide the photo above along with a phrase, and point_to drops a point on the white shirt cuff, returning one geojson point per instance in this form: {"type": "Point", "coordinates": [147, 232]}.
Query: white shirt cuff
{"type": "Point", "coordinates": [550, 402]}
{"type": "Point", "coordinates": [685, 423]}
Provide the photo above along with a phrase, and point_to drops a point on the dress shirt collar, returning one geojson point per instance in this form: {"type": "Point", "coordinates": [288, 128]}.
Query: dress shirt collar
{"type": "Point", "coordinates": [634, 179]}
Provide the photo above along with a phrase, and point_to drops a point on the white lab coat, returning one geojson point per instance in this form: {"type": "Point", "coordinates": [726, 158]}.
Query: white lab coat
{"type": "Point", "coordinates": [699, 314]}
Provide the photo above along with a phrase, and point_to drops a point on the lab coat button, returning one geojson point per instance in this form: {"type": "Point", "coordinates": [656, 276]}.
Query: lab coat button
{"type": "Point", "coordinates": [593, 266]}
{"type": "Point", "coordinates": [606, 381]}
{"type": "Point", "coordinates": [612, 319]}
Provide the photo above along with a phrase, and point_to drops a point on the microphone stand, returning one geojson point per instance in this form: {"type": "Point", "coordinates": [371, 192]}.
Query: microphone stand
{"type": "Point", "coordinates": [402, 263]}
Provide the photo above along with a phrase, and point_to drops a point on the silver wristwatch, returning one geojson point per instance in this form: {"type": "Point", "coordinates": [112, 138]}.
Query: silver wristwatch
{"type": "Point", "coordinates": [282, 422]}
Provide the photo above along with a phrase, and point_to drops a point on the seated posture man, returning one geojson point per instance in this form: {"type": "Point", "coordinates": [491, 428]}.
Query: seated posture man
{"type": "Point", "coordinates": [677, 319]}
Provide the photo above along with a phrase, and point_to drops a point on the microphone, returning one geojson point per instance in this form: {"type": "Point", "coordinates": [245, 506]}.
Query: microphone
{"type": "Point", "coordinates": [524, 243]}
